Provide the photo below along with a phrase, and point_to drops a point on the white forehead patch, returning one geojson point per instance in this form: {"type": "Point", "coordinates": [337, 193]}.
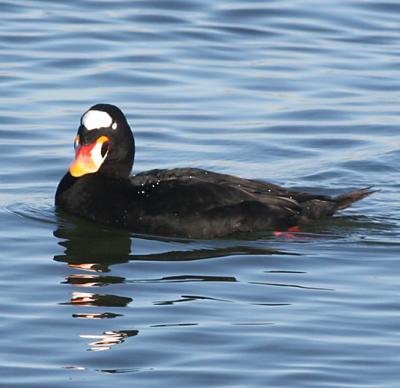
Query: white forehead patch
{"type": "Point", "coordinates": [94, 119]}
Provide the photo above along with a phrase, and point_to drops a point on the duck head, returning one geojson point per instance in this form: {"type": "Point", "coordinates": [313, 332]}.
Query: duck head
{"type": "Point", "coordinates": [104, 143]}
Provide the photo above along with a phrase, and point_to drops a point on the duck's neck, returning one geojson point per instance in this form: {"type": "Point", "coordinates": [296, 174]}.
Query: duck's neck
{"type": "Point", "coordinates": [122, 167]}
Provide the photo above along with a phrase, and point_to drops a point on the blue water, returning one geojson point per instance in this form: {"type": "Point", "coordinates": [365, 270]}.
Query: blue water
{"type": "Point", "coordinates": [300, 93]}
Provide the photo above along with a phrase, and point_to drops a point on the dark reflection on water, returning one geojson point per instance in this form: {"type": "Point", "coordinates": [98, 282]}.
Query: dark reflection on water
{"type": "Point", "coordinates": [202, 295]}
{"type": "Point", "coordinates": [89, 299]}
{"type": "Point", "coordinates": [108, 339]}
{"type": "Point", "coordinates": [190, 278]}
{"type": "Point", "coordinates": [187, 298]}
{"type": "Point", "coordinates": [85, 280]}
{"type": "Point", "coordinates": [90, 248]}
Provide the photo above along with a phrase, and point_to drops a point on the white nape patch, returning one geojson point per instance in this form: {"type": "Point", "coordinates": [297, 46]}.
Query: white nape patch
{"type": "Point", "coordinates": [94, 119]}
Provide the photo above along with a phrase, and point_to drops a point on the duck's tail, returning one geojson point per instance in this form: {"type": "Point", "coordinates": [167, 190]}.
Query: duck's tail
{"type": "Point", "coordinates": [345, 200]}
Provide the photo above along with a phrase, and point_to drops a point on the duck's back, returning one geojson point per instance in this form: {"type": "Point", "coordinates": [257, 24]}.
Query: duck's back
{"type": "Point", "coordinates": [198, 203]}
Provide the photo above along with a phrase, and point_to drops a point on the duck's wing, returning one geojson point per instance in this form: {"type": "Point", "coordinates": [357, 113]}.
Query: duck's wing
{"type": "Point", "coordinates": [201, 203]}
{"type": "Point", "coordinates": [256, 189]}
{"type": "Point", "coordinates": [193, 186]}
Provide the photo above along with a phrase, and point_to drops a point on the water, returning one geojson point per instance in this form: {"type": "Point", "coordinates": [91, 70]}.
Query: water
{"type": "Point", "coordinates": [301, 93]}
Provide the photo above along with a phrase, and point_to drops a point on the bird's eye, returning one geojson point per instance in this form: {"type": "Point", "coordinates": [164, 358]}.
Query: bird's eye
{"type": "Point", "coordinates": [104, 148]}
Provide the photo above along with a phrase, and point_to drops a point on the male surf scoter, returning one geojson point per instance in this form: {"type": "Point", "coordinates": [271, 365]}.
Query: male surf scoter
{"type": "Point", "coordinates": [181, 202]}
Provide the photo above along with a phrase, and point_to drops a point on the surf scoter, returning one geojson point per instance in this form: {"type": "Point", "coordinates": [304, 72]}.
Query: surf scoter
{"type": "Point", "coordinates": [181, 202]}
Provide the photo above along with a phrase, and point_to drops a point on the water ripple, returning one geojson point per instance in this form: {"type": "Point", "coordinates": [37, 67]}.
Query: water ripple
{"type": "Point", "coordinates": [297, 93]}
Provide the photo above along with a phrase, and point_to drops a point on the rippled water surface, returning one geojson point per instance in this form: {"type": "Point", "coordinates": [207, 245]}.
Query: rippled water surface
{"type": "Point", "coordinates": [301, 93]}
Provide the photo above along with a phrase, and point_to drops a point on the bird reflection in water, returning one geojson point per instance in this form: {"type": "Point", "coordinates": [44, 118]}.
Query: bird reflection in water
{"type": "Point", "coordinates": [108, 339]}
{"type": "Point", "coordinates": [92, 251]}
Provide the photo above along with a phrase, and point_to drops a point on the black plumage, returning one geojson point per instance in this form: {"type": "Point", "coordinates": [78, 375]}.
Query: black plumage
{"type": "Point", "coordinates": [184, 202]}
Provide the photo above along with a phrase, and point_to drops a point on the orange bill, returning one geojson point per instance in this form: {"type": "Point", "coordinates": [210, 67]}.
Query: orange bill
{"type": "Point", "coordinates": [88, 158]}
